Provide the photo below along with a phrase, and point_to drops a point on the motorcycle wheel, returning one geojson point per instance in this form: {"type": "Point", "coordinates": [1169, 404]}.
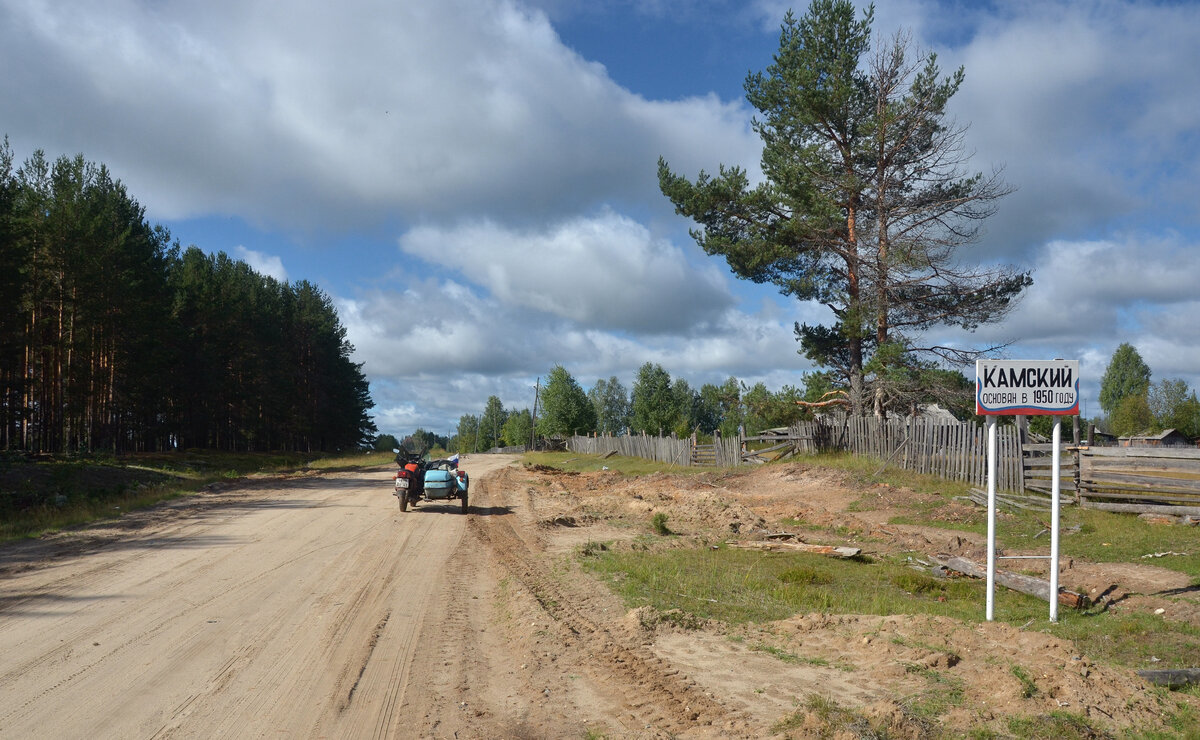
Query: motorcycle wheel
{"type": "Point", "coordinates": [403, 501]}
{"type": "Point", "coordinates": [465, 508]}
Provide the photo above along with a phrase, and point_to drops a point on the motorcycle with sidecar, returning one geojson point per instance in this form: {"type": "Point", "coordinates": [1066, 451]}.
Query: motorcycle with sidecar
{"type": "Point", "coordinates": [420, 479]}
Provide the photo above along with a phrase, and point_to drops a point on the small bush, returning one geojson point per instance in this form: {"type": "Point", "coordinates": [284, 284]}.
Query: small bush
{"type": "Point", "coordinates": [591, 549]}
{"type": "Point", "coordinates": [659, 523]}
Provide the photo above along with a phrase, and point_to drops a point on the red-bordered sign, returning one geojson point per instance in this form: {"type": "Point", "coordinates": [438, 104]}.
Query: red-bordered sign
{"type": "Point", "coordinates": [1027, 387]}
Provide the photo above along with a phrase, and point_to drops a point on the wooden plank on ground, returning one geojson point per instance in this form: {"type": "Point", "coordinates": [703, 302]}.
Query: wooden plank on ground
{"type": "Point", "coordinates": [841, 552]}
{"type": "Point", "coordinates": [1017, 582]}
{"type": "Point", "coordinates": [1172, 678]}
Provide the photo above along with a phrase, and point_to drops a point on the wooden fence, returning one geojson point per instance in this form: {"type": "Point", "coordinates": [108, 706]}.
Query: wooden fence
{"type": "Point", "coordinates": [660, 449]}
{"type": "Point", "coordinates": [1143, 479]}
{"type": "Point", "coordinates": [955, 451]}
{"type": "Point", "coordinates": [1159, 480]}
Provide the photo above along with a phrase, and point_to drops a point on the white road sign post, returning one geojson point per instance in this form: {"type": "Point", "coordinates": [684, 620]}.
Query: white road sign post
{"type": "Point", "coordinates": [1026, 387]}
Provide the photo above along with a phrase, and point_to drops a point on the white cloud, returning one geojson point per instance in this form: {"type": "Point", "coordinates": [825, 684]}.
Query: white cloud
{"type": "Point", "coordinates": [319, 116]}
{"type": "Point", "coordinates": [1088, 106]}
{"type": "Point", "coordinates": [605, 272]}
{"type": "Point", "coordinates": [1097, 290]}
{"type": "Point", "coordinates": [1090, 296]}
{"type": "Point", "coordinates": [264, 264]}
{"type": "Point", "coordinates": [446, 347]}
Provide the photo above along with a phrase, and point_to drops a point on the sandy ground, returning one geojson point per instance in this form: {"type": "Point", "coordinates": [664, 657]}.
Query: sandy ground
{"type": "Point", "coordinates": [312, 607]}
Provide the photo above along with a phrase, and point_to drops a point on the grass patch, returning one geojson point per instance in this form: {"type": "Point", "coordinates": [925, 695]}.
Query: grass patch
{"type": "Point", "coordinates": [806, 576]}
{"type": "Point", "coordinates": [823, 717]}
{"type": "Point", "coordinates": [1056, 726]}
{"type": "Point", "coordinates": [61, 492]}
{"type": "Point", "coordinates": [1029, 689]}
{"type": "Point", "coordinates": [787, 657]}
{"type": "Point", "coordinates": [592, 548]}
{"type": "Point", "coordinates": [1088, 534]}
{"type": "Point", "coordinates": [573, 462]}
{"type": "Point", "coordinates": [868, 471]}
{"type": "Point", "coordinates": [1132, 639]}
{"type": "Point", "coordinates": [739, 586]}
{"type": "Point", "coordinates": [942, 694]}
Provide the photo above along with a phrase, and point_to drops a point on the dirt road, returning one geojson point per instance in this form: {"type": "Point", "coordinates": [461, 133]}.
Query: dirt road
{"type": "Point", "coordinates": [311, 607]}
{"type": "Point", "coordinates": [305, 607]}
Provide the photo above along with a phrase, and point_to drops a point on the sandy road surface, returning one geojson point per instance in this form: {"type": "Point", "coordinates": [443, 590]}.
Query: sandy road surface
{"type": "Point", "coordinates": [311, 607]}
{"type": "Point", "coordinates": [283, 608]}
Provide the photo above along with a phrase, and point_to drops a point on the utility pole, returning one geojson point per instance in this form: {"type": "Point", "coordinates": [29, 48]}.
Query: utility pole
{"type": "Point", "coordinates": [537, 387]}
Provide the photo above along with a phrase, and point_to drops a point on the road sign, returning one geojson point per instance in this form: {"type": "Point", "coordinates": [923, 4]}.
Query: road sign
{"type": "Point", "coordinates": [1027, 387]}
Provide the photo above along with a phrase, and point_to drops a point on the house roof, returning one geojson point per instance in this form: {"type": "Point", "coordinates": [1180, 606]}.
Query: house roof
{"type": "Point", "coordinates": [1161, 435]}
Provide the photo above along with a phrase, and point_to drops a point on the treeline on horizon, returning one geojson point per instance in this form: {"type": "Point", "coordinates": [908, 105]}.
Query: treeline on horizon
{"type": "Point", "coordinates": [115, 339]}
{"type": "Point", "coordinates": [656, 404]}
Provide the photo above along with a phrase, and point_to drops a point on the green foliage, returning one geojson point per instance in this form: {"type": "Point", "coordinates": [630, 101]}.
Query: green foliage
{"type": "Point", "coordinates": [658, 523]}
{"type": "Point", "coordinates": [1029, 689]}
{"type": "Point", "coordinates": [1131, 416]}
{"type": "Point", "coordinates": [491, 424]}
{"type": "Point", "coordinates": [719, 407]}
{"type": "Point", "coordinates": [824, 718]}
{"type": "Point", "coordinates": [577, 463]}
{"type": "Point", "coordinates": [806, 576]}
{"type": "Point", "coordinates": [611, 403]}
{"type": "Point", "coordinates": [518, 428]}
{"type": "Point", "coordinates": [767, 410]}
{"type": "Point", "coordinates": [1057, 725]}
{"type": "Point", "coordinates": [466, 439]}
{"type": "Point", "coordinates": [1174, 408]}
{"type": "Point", "coordinates": [1127, 375]}
{"type": "Point", "coordinates": [385, 443]}
{"type": "Point", "coordinates": [565, 409]}
{"type": "Point", "coordinates": [655, 407]}
{"type": "Point", "coordinates": [59, 492]}
{"type": "Point", "coordinates": [686, 402]}
{"type": "Point", "coordinates": [116, 341]}
{"type": "Point", "coordinates": [423, 440]}
{"type": "Point", "coordinates": [863, 205]}
{"type": "Point", "coordinates": [739, 586]}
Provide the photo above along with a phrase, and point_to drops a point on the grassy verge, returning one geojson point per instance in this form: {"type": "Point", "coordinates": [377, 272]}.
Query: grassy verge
{"type": "Point", "coordinates": [1087, 534]}
{"type": "Point", "coordinates": [739, 586]}
{"type": "Point", "coordinates": [579, 463]}
{"type": "Point", "coordinates": [58, 493]}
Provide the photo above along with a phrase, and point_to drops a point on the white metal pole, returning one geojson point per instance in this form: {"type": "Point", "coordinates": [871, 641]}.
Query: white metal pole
{"type": "Point", "coordinates": [991, 516]}
{"type": "Point", "coordinates": [1056, 459]}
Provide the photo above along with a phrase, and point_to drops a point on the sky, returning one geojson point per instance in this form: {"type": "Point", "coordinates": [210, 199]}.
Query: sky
{"type": "Point", "coordinates": [474, 182]}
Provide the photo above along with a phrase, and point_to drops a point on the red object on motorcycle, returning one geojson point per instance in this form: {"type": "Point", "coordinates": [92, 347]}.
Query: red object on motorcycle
{"type": "Point", "coordinates": [462, 474]}
{"type": "Point", "coordinates": [402, 473]}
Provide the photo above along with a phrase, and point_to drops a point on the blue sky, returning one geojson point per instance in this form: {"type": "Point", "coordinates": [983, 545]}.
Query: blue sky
{"type": "Point", "coordinates": [474, 184]}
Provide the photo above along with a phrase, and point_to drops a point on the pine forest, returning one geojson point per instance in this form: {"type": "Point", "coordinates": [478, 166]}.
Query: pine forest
{"type": "Point", "coordinates": [114, 339]}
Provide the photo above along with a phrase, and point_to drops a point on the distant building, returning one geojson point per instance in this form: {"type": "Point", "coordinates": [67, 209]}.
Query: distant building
{"type": "Point", "coordinates": [1165, 438]}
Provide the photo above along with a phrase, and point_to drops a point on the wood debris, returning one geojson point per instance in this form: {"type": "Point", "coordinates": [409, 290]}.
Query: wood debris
{"type": "Point", "coordinates": [778, 546]}
{"type": "Point", "coordinates": [1015, 581]}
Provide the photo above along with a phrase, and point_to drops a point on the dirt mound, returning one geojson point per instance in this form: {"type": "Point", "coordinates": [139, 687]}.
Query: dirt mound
{"type": "Point", "coordinates": [909, 676]}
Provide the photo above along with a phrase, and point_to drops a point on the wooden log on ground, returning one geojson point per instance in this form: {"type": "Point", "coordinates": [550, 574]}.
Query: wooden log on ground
{"type": "Point", "coordinates": [840, 552]}
{"type": "Point", "coordinates": [1017, 582]}
{"type": "Point", "coordinates": [1172, 679]}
